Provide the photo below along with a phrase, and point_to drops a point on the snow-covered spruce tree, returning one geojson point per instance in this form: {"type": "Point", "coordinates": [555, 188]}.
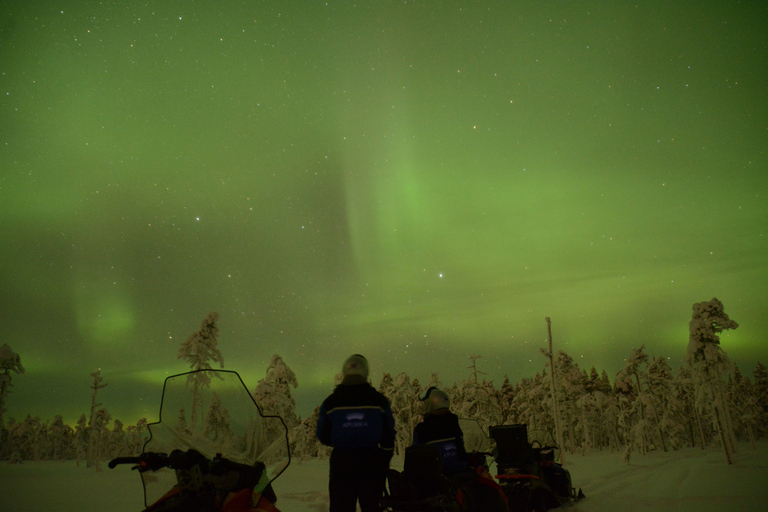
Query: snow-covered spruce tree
{"type": "Point", "coordinates": [645, 431]}
{"type": "Point", "coordinates": [533, 403]}
{"type": "Point", "coordinates": [81, 439]}
{"type": "Point", "coordinates": [116, 442]}
{"type": "Point", "coordinates": [685, 393]}
{"type": "Point", "coordinates": [217, 423]}
{"type": "Point", "coordinates": [97, 431]}
{"type": "Point", "coordinates": [39, 439]}
{"type": "Point", "coordinates": [587, 406]}
{"type": "Point", "coordinates": [304, 443]}
{"type": "Point", "coordinates": [594, 405]}
{"type": "Point", "coordinates": [27, 433]}
{"type": "Point", "coordinates": [670, 410]}
{"type": "Point", "coordinates": [710, 365]}
{"type": "Point", "coordinates": [273, 395]}
{"type": "Point", "coordinates": [273, 392]}
{"type": "Point", "coordinates": [10, 361]}
{"type": "Point", "coordinates": [608, 418]}
{"type": "Point", "coordinates": [182, 428]}
{"type": "Point", "coordinates": [387, 385]}
{"type": "Point", "coordinates": [21, 438]}
{"type": "Point", "coordinates": [136, 436]}
{"type": "Point", "coordinates": [626, 394]}
{"type": "Point", "coordinates": [59, 437]}
{"type": "Point", "coordinates": [569, 382]}
{"type": "Point", "coordinates": [199, 350]}
{"type": "Point", "coordinates": [403, 399]}
{"type": "Point", "coordinates": [742, 401]}
{"type": "Point", "coordinates": [507, 393]}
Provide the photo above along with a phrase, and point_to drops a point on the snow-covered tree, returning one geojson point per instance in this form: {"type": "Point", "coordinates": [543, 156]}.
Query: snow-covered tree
{"type": "Point", "coordinates": [59, 437]}
{"type": "Point", "coordinates": [478, 401]}
{"type": "Point", "coordinates": [761, 398]}
{"type": "Point", "coordinates": [387, 385]}
{"type": "Point", "coordinates": [136, 436]}
{"type": "Point", "coordinates": [710, 366]}
{"type": "Point", "coordinates": [685, 393]}
{"type": "Point", "coordinates": [115, 443]}
{"type": "Point", "coordinates": [742, 400]}
{"type": "Point", "coordinates": [533, 402]}
{"type": "Point", "coordinates": [304, 443]}
{"type": "Point", "coordinates": [668, 409]}
{"type": "Point", "coordinates": [96, 423]}
{"type": "Point", "coordinates": [273, 392]}
{"type": "Point", "coordinates": [507, 404]}
{"type": "Point", "coordinates": [10, 361]}
{"type": "Point", "coordinates": [404, 401]}
{"type": "Point", "coordinates": [555, 400]}
{"type": "Point", "coordinates": [97, 430]}
{"type": "Point", "coordinates": [28, 438]}
{"type": "Point", "coordinates": [217, 423]}
{"type": "Point", "coordinates": [199, 350]}
{"type": "Point", "coordinates": [641, 416]}
{"type": "Point", "coordinates": [81, 438]}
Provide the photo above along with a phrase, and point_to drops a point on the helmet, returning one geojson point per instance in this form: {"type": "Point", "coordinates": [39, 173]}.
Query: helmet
{"type": "Point", "coordinates": [436, 399]}
{"type": "Point", "coordinates": [355, 365]}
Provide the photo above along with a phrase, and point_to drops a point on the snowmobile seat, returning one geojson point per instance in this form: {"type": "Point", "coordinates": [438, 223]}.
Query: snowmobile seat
{"type": "Point", "coordinates": [513, 449]}
{"type": "Point", "coordinates": [421, 486]}
{"type": "Point", "coordinates": [423, 466]}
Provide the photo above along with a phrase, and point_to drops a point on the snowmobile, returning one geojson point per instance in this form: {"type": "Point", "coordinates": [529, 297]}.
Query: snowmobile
{"type": "Point", "coordinates": [422, 486]}
{"type": "Point", "coordinates": [212, 448]}
{"type": "Point", "coordinates": [529, 479]}
{"type": "Point", "coordinates": [528, 472]}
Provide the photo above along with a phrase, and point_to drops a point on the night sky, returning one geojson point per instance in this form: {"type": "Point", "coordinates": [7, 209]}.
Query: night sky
{"type": "Point", "coordinates": [418, 182]}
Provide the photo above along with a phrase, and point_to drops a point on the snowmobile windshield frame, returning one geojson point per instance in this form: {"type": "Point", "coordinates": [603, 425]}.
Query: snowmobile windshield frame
{"type": "Point", "coordinates": [212, 412]}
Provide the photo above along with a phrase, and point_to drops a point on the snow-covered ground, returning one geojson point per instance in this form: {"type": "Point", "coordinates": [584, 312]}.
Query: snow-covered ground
{"type": "Point", "coordinates": [686, 480]}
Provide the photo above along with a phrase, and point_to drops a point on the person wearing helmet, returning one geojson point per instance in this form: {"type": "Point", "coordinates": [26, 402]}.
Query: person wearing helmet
{"type": "Point", "coordinates": [441, 428]}
{"type": "Point", "coordinates": [356, 420]}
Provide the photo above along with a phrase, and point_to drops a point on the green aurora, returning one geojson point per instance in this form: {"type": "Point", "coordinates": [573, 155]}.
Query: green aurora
{"type": "Point", "coordinates": [415, 181]}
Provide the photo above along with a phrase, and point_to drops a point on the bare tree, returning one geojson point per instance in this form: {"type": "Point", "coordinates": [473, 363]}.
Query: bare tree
{"type": "Point", "coordinates": [98, 420]}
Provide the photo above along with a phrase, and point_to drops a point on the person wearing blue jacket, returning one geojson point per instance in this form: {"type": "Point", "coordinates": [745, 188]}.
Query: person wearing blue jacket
{"type": "Point", "coordinates": [356, 420]}
{"type": "Point", "coordinates": [441, 428]}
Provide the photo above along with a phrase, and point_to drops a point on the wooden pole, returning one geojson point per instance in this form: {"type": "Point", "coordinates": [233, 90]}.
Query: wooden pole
{"type": "Point", "coordinates": [555, 408]}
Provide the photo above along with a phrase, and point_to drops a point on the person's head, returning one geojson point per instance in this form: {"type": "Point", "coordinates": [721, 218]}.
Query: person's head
{"type": "Point", "coordinates": [355, 365]}
{"type": "Point", "coordinates": [436, 400]}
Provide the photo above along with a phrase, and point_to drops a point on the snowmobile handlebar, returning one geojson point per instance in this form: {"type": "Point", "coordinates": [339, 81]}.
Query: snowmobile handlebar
{"type": "Point", "coordinates": [222, 471]}
{"type": "Point", "coordinates": [152, 461]}
{"type": "Point", "coordinates": [123, 460]}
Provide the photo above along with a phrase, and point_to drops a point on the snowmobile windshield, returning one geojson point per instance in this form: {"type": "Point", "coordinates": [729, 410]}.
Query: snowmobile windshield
{"type": "Point", "coordinates": [211, 411]}
{"type": "Point", "coordinates": [475, 439]}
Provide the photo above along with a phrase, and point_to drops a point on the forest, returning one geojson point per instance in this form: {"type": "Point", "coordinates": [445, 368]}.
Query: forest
{"type": "Point", "coordinates": [646, 406]}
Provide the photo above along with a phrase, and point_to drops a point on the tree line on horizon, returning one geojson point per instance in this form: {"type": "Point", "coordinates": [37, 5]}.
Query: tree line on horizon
{"type": "Point", "coordinates": [647, 407]}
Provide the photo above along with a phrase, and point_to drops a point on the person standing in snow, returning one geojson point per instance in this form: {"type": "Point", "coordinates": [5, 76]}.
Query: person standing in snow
{"type": "Point", "coordinates": [356, 420]}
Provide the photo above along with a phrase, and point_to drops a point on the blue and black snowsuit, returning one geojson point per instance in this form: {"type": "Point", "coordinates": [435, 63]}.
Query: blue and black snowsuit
{"type": "Point", "coordinates": [441, 428]}
{"type": "Point", "coordinates": [356, 420]}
